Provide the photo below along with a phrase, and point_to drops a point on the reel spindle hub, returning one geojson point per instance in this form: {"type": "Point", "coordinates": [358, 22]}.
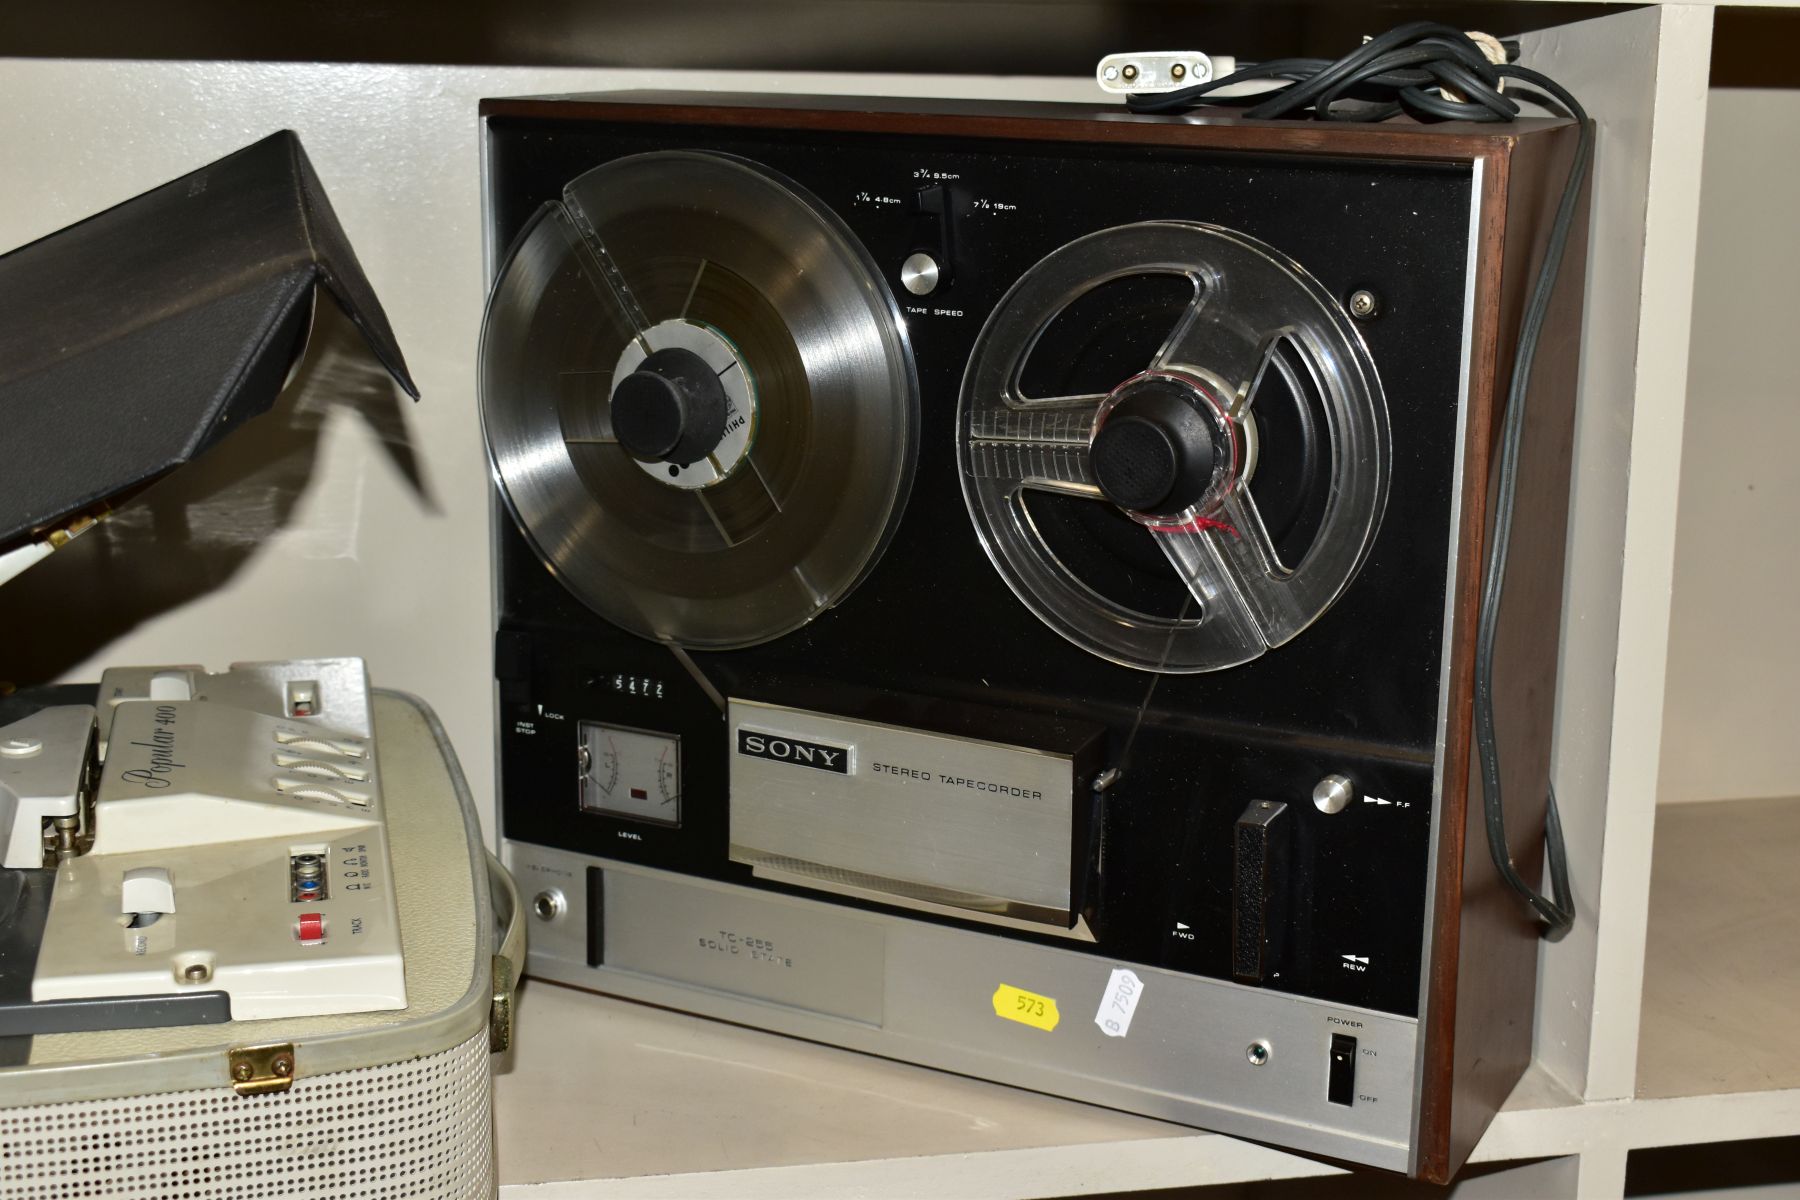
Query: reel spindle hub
{"type": "Point", "coordinates": [671, 409]}
{"type": "Point", "coordinates": [1162, 445]}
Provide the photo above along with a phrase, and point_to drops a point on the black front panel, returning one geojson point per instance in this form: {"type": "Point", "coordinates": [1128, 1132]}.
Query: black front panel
{"type": "Point", "coordinates": [1356, 694]}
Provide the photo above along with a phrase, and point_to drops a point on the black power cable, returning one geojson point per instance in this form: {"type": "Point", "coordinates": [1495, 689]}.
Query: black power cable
{"type": "Point", "coordinates": [1433, 71]}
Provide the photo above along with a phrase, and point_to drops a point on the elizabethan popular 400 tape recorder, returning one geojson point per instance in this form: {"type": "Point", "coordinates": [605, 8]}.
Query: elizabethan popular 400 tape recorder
{"type": "Point", "coordinates": [248, 938]}
{"type": "Point", "coordinates": [198, 848]}
{"type": "Point", "coordinates": [997, 586]}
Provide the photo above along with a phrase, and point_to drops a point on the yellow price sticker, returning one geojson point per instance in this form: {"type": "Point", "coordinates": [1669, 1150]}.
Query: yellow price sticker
{"type": "Point", "coordinates": [1027, 1008]}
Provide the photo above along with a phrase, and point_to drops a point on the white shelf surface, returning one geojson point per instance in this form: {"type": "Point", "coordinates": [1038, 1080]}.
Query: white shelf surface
{"type": "Point", "coordinates": [1722, 959]}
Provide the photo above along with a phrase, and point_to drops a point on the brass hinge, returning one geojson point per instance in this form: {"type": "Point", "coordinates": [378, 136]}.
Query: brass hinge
{"type": "Point", "coordinates": [261, 1070]}
{"type": "Point", "coordinates": [500, 1013]}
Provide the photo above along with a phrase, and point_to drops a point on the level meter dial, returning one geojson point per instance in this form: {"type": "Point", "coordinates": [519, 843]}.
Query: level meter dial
{"type": "Point", "coordinates": [633, 773]}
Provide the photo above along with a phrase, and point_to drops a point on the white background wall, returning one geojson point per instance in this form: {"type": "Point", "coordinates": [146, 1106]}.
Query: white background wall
{"type": "Point", "coordinates": [1732, 716]}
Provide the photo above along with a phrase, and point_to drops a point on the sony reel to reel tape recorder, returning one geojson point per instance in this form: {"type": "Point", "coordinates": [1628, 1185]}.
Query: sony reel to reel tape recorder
{"type": "Point", "coordinates": [996, 587]}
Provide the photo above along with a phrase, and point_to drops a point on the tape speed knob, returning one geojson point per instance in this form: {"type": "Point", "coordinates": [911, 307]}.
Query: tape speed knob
{"type": "Point", "coordinates": [920, 273]}
{"type": "Point", "coordinates": [671, 409]}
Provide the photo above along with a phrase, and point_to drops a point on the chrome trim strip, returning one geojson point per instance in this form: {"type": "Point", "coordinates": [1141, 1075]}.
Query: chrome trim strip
{"type": "Point", "coordinates": [496, 512]}
{"type": "Point", "coordinates": [1443, 720]}
{"type": "Point", "coordinates": [988, 910]}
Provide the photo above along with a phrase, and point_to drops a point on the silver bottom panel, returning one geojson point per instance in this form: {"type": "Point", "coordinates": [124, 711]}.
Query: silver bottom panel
{"type": "Point", "coordinates": [905, 989]}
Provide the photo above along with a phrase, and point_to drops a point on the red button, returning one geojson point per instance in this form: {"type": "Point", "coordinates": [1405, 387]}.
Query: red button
{"type": "Point", "coordinates": [311, 927]}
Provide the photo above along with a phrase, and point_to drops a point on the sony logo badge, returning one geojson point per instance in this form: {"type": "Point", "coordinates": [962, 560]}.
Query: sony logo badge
{"type": "Point", "coordinates": [819, 756]}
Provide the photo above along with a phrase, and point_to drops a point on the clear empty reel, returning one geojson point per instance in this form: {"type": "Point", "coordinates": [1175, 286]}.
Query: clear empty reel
{"type": "Point", "coordinates": [721, 258]}
{"type": "Point", "coordinates": [1248, 301]}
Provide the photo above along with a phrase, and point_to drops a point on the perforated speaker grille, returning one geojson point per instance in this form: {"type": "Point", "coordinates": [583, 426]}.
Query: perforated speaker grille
{"type": "Point", "coordinates": [409, 1131]}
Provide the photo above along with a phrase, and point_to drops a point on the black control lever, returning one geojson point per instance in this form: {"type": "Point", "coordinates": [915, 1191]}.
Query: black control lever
{"type": "Point", "coordinates": [929, 266]}
{"type": "Point", "coordinates": [1259, 890]}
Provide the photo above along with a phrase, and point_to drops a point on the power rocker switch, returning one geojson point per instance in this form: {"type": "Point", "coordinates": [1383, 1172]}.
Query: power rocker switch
{"type": "Point", "coordinates": [1259, 891]}
{"type": "Point", "coordinates": [1340, 1082]}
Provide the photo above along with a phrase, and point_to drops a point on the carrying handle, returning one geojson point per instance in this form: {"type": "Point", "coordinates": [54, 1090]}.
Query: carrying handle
{"type": "Point", "coordinates": [509, 962]}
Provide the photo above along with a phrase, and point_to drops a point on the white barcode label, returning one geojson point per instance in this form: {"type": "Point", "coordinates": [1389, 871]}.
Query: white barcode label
{"type": "Point", "coordinates": [1118, 1002]}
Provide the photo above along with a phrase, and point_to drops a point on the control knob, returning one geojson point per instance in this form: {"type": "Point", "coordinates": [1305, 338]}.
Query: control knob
{"type": "Point", "coordinates": [671, 409]}
{"type": "Point", "coordinates": [1156, 451]}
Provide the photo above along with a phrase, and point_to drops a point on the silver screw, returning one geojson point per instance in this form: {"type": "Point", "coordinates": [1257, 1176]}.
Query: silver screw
{"type": "Point", "coordinates": [197, 973]}
{"type": "Point", "coordinates": [1363, 304]}
{"type": "Point", "coordinates": [1258, 1053]}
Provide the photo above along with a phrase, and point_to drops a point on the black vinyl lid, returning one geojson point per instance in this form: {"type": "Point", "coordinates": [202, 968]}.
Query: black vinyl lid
{"type": "Point", "coordinates": [135, 340]}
